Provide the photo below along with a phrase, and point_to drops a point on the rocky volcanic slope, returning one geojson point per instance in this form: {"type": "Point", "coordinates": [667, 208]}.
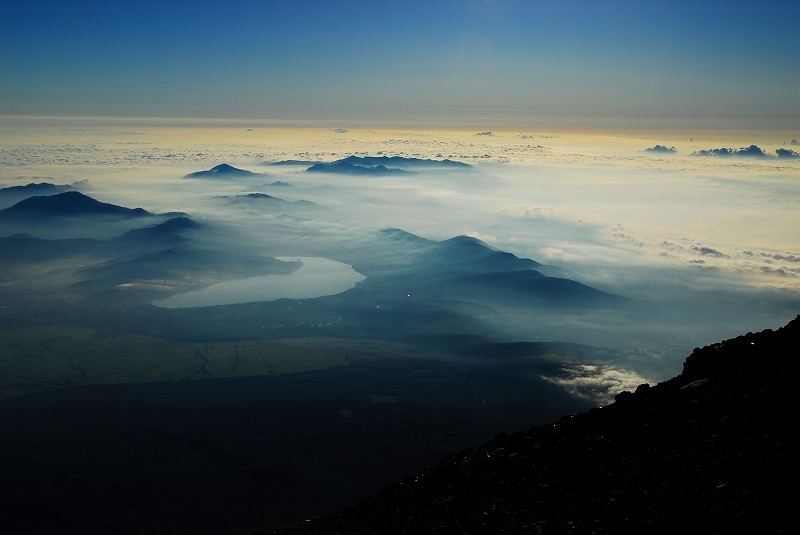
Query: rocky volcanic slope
{"type": "Point", "coordinates": [713, 450]}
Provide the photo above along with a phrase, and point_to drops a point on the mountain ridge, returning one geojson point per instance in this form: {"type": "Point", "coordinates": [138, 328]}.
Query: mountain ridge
{"type": "Point", "coordinates": [13, 194]}
{"type": "Point", "coordinates": [67, 204]}
{"type": "Point", "coordinates": [379, 165]}
{"type": "Point", "coordinates": [344, 167]}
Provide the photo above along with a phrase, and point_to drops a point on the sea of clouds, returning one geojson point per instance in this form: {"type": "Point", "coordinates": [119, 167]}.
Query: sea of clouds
{"type": "Point", "coordinates": [709, 246]}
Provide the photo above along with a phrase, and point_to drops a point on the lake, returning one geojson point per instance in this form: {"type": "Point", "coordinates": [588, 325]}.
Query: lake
{"type": "Point", "coordinates": [316, 278]}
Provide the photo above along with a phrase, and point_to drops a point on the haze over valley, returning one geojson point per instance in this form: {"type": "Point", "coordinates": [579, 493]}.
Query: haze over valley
{"type": "Point", "coordinates": [260, 260]}
{"type": "Point", "coordinates": [590, 240]}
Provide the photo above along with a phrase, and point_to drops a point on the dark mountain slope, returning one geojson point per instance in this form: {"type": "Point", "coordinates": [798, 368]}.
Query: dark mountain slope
{"type": "Point", "coordinates": [12, 195]}
{"type": "Point", "coordinates": [713, 450]}
{"type": "Point", "coordinates": [24, 248]}
{"type": "Point", "coordinates": [68, 204]}
{"type": "Point", "coordinates": [531, 286]}
{"type": "Point", "coordinates": [482, 258]}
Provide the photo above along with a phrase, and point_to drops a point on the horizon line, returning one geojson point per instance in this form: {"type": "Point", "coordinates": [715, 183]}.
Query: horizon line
{"type": "Point", "coordinates": [361, 124]}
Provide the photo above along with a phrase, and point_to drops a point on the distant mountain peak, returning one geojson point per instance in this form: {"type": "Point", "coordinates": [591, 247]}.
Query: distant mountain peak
{"type": "Point", "coordinates": [166, 234]}
{"type": "Point", "coordinates": [222, 170]}
{"type": "Point", "coordinates": [466, 241]}
{"type": "Point", "coordinates": [400, 234]}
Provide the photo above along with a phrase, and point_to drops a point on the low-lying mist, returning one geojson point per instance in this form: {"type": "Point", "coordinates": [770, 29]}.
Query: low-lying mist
{"type": "Point", "coordinates": [689, 250]}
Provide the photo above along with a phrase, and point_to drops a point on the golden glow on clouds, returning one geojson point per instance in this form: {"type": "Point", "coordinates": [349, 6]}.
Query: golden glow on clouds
{"type": "Point", "coordinates": [736, 215]}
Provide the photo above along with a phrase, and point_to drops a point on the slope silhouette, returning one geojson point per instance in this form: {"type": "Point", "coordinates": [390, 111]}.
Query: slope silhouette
{"type": "Point", "coordinates": [68, 204]}
{"type": "Point", "coordinates": [12, 195]}
{"type": "Point", "coordinates": [713, 450]}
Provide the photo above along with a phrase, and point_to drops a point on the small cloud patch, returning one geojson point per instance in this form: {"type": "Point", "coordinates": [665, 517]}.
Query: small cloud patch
{"type": "Point", "coordinates": [596, 382]}
{"type": "Point", "coordinates": [787, 153]}
{"type": "Point", "coordinates": [708, 251]}
{"type": "Point", "coordinates": [753, 151]}
{"type": "Point", "coordinates": [662, 149]}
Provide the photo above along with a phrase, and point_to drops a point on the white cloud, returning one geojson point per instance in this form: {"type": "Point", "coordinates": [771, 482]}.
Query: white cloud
{"type": "Point", "coordinates": [597, 383]}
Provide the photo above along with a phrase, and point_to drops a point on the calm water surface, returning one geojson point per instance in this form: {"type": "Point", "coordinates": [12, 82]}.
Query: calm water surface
{"type": "Point", "coordinates": [316, 278]}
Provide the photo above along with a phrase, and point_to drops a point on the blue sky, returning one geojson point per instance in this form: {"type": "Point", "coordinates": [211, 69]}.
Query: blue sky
{"type": "Point", "coordinates": [455, 62]}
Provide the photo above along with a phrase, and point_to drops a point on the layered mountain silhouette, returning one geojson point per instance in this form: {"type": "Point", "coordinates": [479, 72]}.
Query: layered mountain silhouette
{"type": "Point", "coordinates": [12, 195]}
{"type": "Point", "coordinates": [380, 165]}
{"type": "Point", "coordinates": [25, 248]}
{"type": "Point", "coordinates": [713, 450]}
{"type": "Point", "coordinates": [262, 200]}
{"type": "Point", "coordinates": [148, 258]}
{"type": "Point", "coordinates": [461, 255]}
{"type": "Point", "coordinates": [467, 269]}
{"type": "Point", "coordinates": [223, 171]}
{"type": "Point", "coordinates": [468, 252]}
{"type": "Point", "coordinates": [347, 168]}
{"type": "Point", "coordinates": [404, 162]}
{"type": "Point", "coordinates": [69, 204]}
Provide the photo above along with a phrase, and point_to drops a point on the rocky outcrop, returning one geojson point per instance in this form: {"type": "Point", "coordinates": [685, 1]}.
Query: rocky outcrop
{"type": "Point", "coordinates": [713, 450]}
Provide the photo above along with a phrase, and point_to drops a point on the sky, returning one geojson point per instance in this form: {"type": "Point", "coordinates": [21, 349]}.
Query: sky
{"type": "Point", "coordinates": [461, 63]}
